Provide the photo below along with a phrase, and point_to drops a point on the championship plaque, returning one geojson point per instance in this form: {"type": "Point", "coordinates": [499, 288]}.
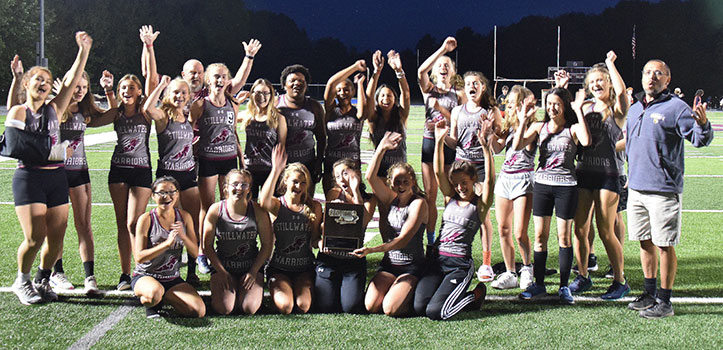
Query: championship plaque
{"type": "Point", "coordinates": [343, 226]}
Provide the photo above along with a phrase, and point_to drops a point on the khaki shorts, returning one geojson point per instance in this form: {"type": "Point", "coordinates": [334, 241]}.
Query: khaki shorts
{"type": "Point", "coordinates": [655, 216]}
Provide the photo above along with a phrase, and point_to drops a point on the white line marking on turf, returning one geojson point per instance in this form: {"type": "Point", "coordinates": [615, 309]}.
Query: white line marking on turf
{"type": "Point", "coordinates": [92, 337]}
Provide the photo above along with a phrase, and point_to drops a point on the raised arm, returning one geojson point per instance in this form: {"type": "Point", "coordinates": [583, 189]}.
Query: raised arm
{"type": "Point", "coordinates": [282, 130]}
{"type": "Point", "coordinates": [486, 135]}
{"type": "Point", "coordinates": [267, 200]}
{"type": "Point", "coordinates": [395, 62]}
{"type": "Point", "coordinates": [148, 58]}
{"type": "Point", "coordinates": [150, 108]}
{"type": "Point", "coordinates": [451, 138]}
{"type": "Point", "coordinates": [239, 80]}
{"type": "Point", "coordinates": [523, 135]}
{"type": "Point", "coordinates": [266, 236]}
{"type": "Point", "coordinates": [16, 67]}
{"type": "Point", "coordinates": [440, 132]}
{"type": "Point", "coordinates": [106, 82]}
{"type": "Point", "coordinates": [417, 216]}
{"type": "Point", "coordinates": [361, 97]}
{"type": "Point", "coordinates": [320, 136]}
{"type": "Point", "coordinates": [425, 84]}
{"type": "Point", "coordinates": [580, 132]}
{"type": "Point", "coordinates": [330, 90]}
{"type": "Point", "coordinates": [62, 99]}
{"type": "Point", "coordinates": [378, 63]}
{"type": "Point", "coordinates": [385, 194]}
{"type": "Point", "coordinates": [621, 95]}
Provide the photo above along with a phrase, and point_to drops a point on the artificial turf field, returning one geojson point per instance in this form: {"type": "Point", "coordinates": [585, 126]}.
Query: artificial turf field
{"type": "Point", "coordinates": [503, 322]}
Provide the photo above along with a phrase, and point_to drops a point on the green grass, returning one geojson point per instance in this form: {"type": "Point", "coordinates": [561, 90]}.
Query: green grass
{"type": "Point", "coordinates": [500, 324]}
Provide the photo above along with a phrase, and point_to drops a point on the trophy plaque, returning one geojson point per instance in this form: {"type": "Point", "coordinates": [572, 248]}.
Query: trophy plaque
{"type": "Point", "coordinates": [343, 227]}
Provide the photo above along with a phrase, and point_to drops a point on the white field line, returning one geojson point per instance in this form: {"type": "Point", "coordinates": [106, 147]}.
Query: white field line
{"type": "Point", "coordinates": [92, 337]}
{"type": "Point", "coordinates": [590, 299]}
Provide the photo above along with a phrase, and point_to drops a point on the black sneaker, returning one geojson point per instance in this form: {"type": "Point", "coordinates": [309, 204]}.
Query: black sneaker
{"type": "Point", "coordinates": [592, 263]}
{"type": "Point", "coordinates": [610, 274]}
{"type": "Point", "coordinates": [644, 301]}
{"type": "Point", "coordinates": [152, 312]}
{"type": "Point", "coordinates": [659, 310]}
{"type": "Point", "coordinates": [124, 282]}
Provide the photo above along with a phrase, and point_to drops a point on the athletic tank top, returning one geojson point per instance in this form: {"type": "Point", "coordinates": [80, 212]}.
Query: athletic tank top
{"type": "Point", "coordinates": [468, 145]}
{"type": "Point", "coordinates": [175, 146]}
{"type": "Point", "coordinates": [343, 132]}
{"type": "Point", "coordinates": [518, 161]}
{"type": "Point", "coordinates": [164, 267]}
{"type": "Point", "coordinates": [73, 130]}
{"type": "Point", "coordinates": [600, 156]}
{"type": "Point", "coordinates": [132, 148]}
{"type": "Point", "coordinates": [447, 100]}
{"type": "Point", "coordinates": [300, 125]}
{"type": "Point", "coordinates": [217, 138]}
{"type": "Point", "coordinates": [413, 252]}
{"type": "Point", "coordinates": [393, 156]}
{"type": "Point", "coordinates": [292, 249]}
{"type": "Point", "coordinates": [557, 158]}
{"type": "Point", "coordinates": [236, 240]}
{"type": "Point", "coordinates": [459, 226]}
{"type": "Point", "coordinates": [260, 142]}
{"type": "Point", "coordinates": [620, 158]}
{"type": "Point", "coordinates": [32, 124]}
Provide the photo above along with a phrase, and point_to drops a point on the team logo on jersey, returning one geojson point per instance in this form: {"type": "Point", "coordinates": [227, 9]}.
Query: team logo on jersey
{"type": "Point", "coordinates": [557, 161]}
{"type": "Point", "coordinates": [451, 238]}
{"type": "Point", "coordinates": [130, 145]}
{"type": "Point", "coordinates": [512, 159]}
{"type": "Point", "coordinates": [75, 144]}
{"type": "Point", "coordinates": [240, 251]}
{"type": "Point", "coordinates": [472, 142]}
{"type": "Point", "coordinates": [295, 246]}
{"type": "Point", "coordinates": [298, 137]}
{"type": "Point", "coordinates": [347, 141]}
{"type": "Point", "coordinates": [222, 137]}
{"type": "Point", "coordinates": [169, 264]}
{"type": "Point", "coordinates": [183, 153]}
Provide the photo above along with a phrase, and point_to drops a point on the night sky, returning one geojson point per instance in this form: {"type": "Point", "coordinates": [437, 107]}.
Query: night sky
{"type": "Point", "coordinates": [383, 24]}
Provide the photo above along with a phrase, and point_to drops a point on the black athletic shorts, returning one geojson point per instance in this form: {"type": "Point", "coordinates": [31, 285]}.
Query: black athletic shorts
{"type": "Point", "coordinates": [597, 181]}
{"type": "Point", "coordinates": [187, 179]}
{"type": "Point", "coordinates": [428, 152]}
{"type": "Point", "coordinates": [270, 271]}
{"type": "Point", "coordinates": [133, 177]}
{"type": "Point", "coordinates": [209, 167]}
{"type": "Point", "coordinates": [563, 199]}
{"type": "Point", "coordinates": [416, 270]}
{"type": "Point", "coordinates": [166, 284]}
{"type": "Point", "coordinates": [47, 186]}
{"type": "Point", "coordinates": [77, 177]}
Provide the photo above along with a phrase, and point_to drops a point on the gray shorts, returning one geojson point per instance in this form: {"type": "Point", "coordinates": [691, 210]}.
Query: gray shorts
{"type": "Point", "coordinates": [511, 186]}
{"type": "Point", "coordinates": [655, 216]}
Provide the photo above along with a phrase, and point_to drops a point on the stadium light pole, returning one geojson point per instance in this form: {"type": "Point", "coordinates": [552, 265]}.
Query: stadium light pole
{"type": "Point", "coordinates": [42, 61]}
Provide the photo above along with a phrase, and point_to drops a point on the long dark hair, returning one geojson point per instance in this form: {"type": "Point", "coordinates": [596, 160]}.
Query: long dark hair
{"type": "Point", "coordinates": [568, 113]}
{"type": "Point", "coordinates": [395, 116]}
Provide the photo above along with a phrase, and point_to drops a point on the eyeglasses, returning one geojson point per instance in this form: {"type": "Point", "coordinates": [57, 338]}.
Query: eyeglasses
{"type": "Point", "coordinates": [165, 193]}
{"type": "Point", "coordinates": [242, 185]}
{"type": "Point", "coordinates": [261, 93]}
{"type": "Point", "coordinates": [657, 73]}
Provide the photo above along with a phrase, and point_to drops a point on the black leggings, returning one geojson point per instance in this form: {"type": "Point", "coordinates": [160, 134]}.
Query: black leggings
{"type": "Point", "coordinates": [442, 292]}
{"type": "Point", "coordinates": [339, 284]}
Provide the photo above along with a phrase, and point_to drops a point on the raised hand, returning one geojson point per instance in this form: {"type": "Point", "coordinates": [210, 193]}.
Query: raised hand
{"type": "Point", "coordinates": [377, 61]}
{"type": "Point", "coordinates": [83, 40]}
{"type": "Point", "coordinates": [395, 61]}
{"type": "Point", "coordinates": [106, 80]}
{"type": "Point", "coordinates": [485, 131]}
{"type": "Point", "coordinates": [699, 113]}
{"type": "Point", "coordinates": [252, 47]}
{"type": "Point", "coordinates": [562, 78]}
{"type": "Point", "coordinates": [147, 35]}
{"type": "Point", "coordinates": [360, 65]}
{"type": "Point", "coordinates": [449, 44]}
{"type": "Point", "coordinates": [165, 80]}
{"type": "Point", "coordinates": [579, 99]}
{"type": "Point", "coordinates": [611, 57]}
{"type": "Point", "coordinates": [242, 96]}
{"type": "Point", "coordinates": [360, 78]}
{"type": "Point", "coordinates": [279, 157]}
{"type": "Point", "coordinates": [57, 85]}
{"type": "Point", "coordinates": [441, 129]}
{"type": "Point", "coordinates": [16, 66]}
{"type": "Point", "coordinates": [354, 180]}
{"type": "Point", "coordinates": [390, 140]}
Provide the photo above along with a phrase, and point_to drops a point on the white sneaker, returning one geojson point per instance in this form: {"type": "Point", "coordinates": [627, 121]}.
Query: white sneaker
{"type": "Point", "coordinates": [506, 280]}
{"type": "Point", "coordinates": [26, 292]}
{"type": "Point", "coordinates": [91, 286]}
{"type": "Point", "coordinates": [525, 277]}
{"type": "Point", "coordinates": [485, 273]}
{"type": "Point", "coordinates": [60, 281]}
{"type": "Point", "coordinates": [46, 291]}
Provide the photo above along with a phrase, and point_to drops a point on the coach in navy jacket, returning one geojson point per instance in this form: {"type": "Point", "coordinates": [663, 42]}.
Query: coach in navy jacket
{"type": "Point", "coordinates": [657, 125]}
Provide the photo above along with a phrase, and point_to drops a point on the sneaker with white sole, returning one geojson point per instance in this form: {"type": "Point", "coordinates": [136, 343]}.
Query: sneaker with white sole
{"type": "Point", "coordinates": [124, 283]}
{"type": "Point", "coordinates": [659, 310]}
{"type": "Point", "coordinates": [526, 277]}
{"type": "Point", "coordinates": [91, 286]}
{"type": "Point", "coordinates": [26, 292]}
{"type": "Point", "coordinates": [616, 291]}
{"type": "Point", "coordinates": [202, 264]}
{"type": "Point", "coordinates": [60, 281]}
{"type": "Point", "coordinates": [485, 273]}
{"type": "Point", "coordinates": [46, 291]}
{"type": "Point", "coordinates": [506, 280]}
{"type": "Point", "coordinates": [642, 302]}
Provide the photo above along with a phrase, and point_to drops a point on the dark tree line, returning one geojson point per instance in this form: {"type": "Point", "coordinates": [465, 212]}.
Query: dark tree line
{"type": "Point", "coordinates": [684, 34]}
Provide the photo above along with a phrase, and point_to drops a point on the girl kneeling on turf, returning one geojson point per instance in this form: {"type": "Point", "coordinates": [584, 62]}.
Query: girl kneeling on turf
{"type": "Point", "coordinates": [392, 287]}
{"type": "Point", "coordinates": [160, 237]}
{"type": "Point", "coordinates": [442, 292]}
{"type": "Point", "coordinates": [297, 221]}
{"type": "Point", "coordinates": [237, 281]}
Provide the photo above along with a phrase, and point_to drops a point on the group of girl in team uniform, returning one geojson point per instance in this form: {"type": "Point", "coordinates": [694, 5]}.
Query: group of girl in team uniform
{"type": "Point", "coordinates": [271, 199]}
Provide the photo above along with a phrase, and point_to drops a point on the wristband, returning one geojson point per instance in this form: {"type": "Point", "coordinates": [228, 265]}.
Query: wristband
{"type": "Point", "coordinates": [399, 74]}
{"type": "Point", "coordinates": [108, 92]}
{"type": "Point", "coordinates": [250, 57]}
{"type": "Point", "coordinates": [149, 46]}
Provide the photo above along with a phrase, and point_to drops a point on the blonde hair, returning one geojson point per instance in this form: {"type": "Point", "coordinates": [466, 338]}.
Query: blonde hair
{"type": "Point", "coordinates": [306, 200]}
{"type": "Point", "coordinates": [167, 103]}
{"type": "Point", "coordinates": [434, 72]}
{"type": "Point", "coordinates": [511, 122]}
{"type": "Point", "coordinates": [135, 80]}
{"type": "Point", "coordinates": [29, 74]}
{"type": "Point", "coordinates": [86, 106]}
{"type": "Point", "coordinates": [408, 168]}
{"type": "Point", "coordinates": [602, 69]}
{"type": "Point", "coordinates": [272, 113]}
{"type": "Point", "coordinates": [207, 76]}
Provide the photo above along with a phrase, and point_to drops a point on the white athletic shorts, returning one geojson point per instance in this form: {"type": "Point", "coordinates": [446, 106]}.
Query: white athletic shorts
{"type": "Point", "coordinates": [511, 186]}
